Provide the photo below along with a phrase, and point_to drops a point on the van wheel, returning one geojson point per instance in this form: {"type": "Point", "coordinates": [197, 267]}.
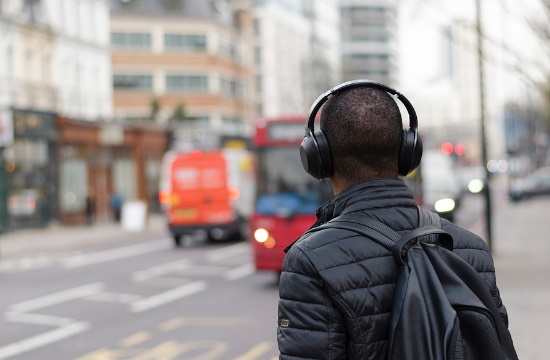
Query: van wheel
{"type": "Point", "coordinates": [177, 240]}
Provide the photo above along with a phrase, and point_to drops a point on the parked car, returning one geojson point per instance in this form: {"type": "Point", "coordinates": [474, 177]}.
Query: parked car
{"type": "Point", "coordinates": [536, 183]}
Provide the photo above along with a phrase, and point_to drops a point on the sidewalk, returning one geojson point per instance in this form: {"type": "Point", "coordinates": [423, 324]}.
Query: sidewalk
{"type": "Point", "coordinates": [521, 249]}
{"type": "Point", "coordinates": [66, 238]}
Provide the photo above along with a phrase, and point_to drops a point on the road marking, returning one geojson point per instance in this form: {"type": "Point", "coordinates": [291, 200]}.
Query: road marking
{"type": "Point", "coordinates": [26, 263]}
{"type": "Point", "coordinates": [160, 270]}
{"type": "Point", "coordinates": [109, 297]}
{"type": "Point", "coordinates": [178, 322]}
{"type": "Point", "coordinates": [227, 252]}
{"type": "Point", "coordinates": [115, 254]}
{"type": "Point", "coordinates": [110, 354]}
{"type": "Point", "coordinates": [43, 339]}
{"type": "Point", "coordinates": [57, 298]}
{"type": "Point", "coordinates": [38, 319]}
{"type": "Point", "coordinates": [256, 351]}
{"type": "Point", "coordinates": [240, 272]}
{"type": "Point", "coordinates": [135, 339]}
{"type": "Point", "coordinates": [167, 296]}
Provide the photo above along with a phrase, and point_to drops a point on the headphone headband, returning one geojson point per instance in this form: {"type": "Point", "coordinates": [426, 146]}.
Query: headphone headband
{"type": "Point", "coordinates": [315, 152]}
{"type": "Point", "coordinates": [413, 120]}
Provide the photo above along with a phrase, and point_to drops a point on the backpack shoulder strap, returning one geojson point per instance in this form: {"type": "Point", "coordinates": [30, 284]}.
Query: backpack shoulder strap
{"type": "Point", "coordinates": [429, 225]}
{"type": "Point", "coordinates": [370, 228]}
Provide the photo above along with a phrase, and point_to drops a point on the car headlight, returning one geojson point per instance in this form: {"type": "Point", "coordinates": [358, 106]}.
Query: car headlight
{"type": "Point", "coordinates": [444, 205]}
{"type": "Point", "coordinates": [475, 186]}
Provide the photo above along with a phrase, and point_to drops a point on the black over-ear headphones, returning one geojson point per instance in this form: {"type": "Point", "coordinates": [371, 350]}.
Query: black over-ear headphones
{"type": "Point", "coordinates": [315, 150]}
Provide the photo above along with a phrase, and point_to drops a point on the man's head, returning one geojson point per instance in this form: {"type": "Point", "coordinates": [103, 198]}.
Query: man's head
{"type": "Point", "coordinates": [363, 126]}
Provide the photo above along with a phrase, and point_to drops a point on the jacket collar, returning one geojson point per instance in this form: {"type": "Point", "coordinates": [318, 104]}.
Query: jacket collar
{"type": "Point", "coordinates": [370, 194]}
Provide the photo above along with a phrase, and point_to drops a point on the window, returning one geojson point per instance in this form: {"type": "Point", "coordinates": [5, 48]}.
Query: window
{"type": "Point", "coordinates": [185, 42]}
{"type": "Point", "coordinates": [133, 82]}
{"type": "Point", "coordinates": [123, 40]}
{"type": "Point", "coordinates": [233, 125]}
{"type": "Point", "coordinates": [230, 50]}
{"type": "Point", "coordinates": [193, 83]}
{"type": "Point", "coordinates": [73, 184]}
{"type": "Point", "coordinates": [257, 27]}
{"type": "Point", "coordinates": [259, 83]}
{"type": "Point", "coordinates": [258, 55]}
{"type": "Point", "coordinates": [232, 88]}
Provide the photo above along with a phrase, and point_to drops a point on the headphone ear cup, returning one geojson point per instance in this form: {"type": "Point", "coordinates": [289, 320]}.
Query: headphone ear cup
{"type": "Point", "coordinates": [316, 156]}
{"type": "Point", "coordinates": [410, 152]}
{"type": "Point", "coordinates": [325, 154]}
{"type": "Point", "coordinates": [309, 155]}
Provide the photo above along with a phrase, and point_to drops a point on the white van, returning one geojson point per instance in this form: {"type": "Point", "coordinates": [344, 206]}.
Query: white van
{"type": "Point", "coordinates": [440, 184]}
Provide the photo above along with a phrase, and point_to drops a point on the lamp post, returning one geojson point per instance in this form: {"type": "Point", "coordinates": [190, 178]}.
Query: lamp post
{"type": "Point", "coordinates": [488, 215]}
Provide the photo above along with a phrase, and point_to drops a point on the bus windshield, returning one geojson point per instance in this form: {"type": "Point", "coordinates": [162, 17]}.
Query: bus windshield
{"type": "Point", "coordinates": [284, 188]}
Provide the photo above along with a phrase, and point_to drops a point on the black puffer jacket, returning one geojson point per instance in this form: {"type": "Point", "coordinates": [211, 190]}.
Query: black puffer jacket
{"type": "Point", "coordinates": [336, 287]}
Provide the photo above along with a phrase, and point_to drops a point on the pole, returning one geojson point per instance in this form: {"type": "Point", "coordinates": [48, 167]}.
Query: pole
{"type": "Point", "coordinates": [487, 191]}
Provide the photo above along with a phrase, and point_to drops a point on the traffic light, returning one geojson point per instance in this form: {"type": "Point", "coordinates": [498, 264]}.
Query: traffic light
{"type": "Point", "coordinates": [447, 148]}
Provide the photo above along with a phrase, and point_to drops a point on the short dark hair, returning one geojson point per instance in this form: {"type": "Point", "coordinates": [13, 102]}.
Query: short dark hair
{"type": "Point", "coordinates": [364, 128]}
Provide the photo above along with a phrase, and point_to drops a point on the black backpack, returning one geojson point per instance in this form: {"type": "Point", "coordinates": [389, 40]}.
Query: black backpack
{"type": "Point", "coordinates": [441, 309]}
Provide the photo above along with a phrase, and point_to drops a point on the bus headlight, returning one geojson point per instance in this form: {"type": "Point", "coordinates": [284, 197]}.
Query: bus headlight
{"type": "Point", "coordinates": [261, 235]}
{"type": "Point", "coordinates": [444, 205]}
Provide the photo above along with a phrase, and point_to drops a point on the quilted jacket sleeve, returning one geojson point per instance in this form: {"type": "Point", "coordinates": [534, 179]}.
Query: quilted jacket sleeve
{"type": "Point", "coordinates": [309, 327]}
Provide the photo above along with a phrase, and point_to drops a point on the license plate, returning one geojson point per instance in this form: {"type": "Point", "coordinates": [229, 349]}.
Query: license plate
{"type": "Point", "coordinates": [186, 213]}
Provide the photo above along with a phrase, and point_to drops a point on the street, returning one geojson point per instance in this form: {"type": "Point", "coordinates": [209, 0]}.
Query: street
{"type": "Point", "coordinates": [141, 301]}
{"type": "Point", "coordinates": [107, 294]}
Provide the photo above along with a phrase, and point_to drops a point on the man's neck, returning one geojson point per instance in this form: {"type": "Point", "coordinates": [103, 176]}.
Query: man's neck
{"type": "Point", "coordinates": [340, 184]}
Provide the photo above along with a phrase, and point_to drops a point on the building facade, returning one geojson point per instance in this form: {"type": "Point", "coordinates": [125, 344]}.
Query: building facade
{"type": "Point", "coordinates": [59, 145]}
{"type": "Point", "coordinates": [296, 54]}
{"type": "Point", "coordinates": [183, 64]}
{"type": "Point", "coordinates": [369, 40]}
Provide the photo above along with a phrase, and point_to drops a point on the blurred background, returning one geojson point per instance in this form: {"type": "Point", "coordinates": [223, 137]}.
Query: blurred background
{"type": "Point", "coordinates": [130, 129]}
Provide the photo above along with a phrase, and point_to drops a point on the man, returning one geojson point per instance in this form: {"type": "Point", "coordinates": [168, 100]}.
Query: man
{"type": "Point", "coordinates": [336, 288]}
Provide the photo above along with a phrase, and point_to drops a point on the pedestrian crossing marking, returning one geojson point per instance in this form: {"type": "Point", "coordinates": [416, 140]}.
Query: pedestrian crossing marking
{"type": "Point", "coordinates": [204, 321]}
{"type": "Point", "coordinates": [135, 339]}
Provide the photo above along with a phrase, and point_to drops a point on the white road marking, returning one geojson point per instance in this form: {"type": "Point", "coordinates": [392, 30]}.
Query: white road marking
{"type": "Point", "coordinates": [110, 297]}
{"type": "Point", "coordinates": [57, 298]}
{"type": "Point", "coordinates": [116, 254]}
{"type": "Point", "coordinates": [240, 272]}
{"type": "Point", "coordinates": [26, 263]}
{"type": "Point", "coordinates": [38, 319]}
{"type": "Point", "coordinates": [167, 296]}
{"type": "Point", "coordinates": [43, 339]}
{"type": "Point", "coordinates": [228, 251]}
{"type": "Point", "coordinates": [160, 270]}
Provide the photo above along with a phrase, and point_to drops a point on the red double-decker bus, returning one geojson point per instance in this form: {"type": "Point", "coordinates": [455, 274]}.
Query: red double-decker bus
{"type": "Point", "coordinates": [287, 197]}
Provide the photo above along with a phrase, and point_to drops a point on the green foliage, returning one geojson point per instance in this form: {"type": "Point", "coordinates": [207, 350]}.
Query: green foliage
{"type": "Point", "coordinates": [155, 108]}
{"type": "Point", "coordinates": [179, 114]}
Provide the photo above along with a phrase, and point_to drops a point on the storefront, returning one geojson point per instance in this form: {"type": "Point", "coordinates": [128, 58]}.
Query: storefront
{"type": "Point", "coordinates": [100, 159]}
{"type": "Point", "coordinates": [31, 168]}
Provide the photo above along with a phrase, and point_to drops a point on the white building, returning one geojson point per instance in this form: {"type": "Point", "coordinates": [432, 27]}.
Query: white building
{"type": "Point", "coordinates": [55, 57]}
{"type": "Point", "coordinates": [369, 42]}
{"type": "Point", "coordinates": [54, 63]}
{"type": "Point", "coordinates": [296, 54]}
{"type": "Point", "coordinates": [440, 72]}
